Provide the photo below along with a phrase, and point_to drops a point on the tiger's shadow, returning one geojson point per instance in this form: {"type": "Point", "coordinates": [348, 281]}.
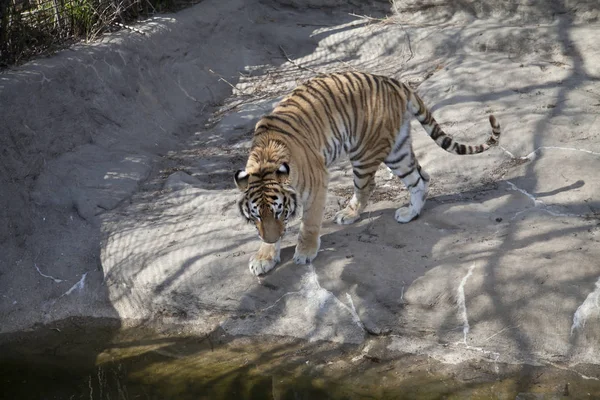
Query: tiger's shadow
{"type": "Point", "coordinates": [372, 264]}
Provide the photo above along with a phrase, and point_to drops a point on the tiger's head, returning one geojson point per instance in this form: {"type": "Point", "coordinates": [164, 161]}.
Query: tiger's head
{"type": "Point", "coordinates": [268, 200]}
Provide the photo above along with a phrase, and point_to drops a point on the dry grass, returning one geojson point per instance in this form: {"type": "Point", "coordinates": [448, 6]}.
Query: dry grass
{"type": "Point", "coordinates": [32, 28]}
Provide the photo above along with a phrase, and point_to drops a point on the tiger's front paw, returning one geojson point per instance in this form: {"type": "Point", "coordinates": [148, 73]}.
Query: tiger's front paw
{"type": "Point", "coordinates": [265, 259]}
{"type": "Point", "coordinates": [346, 216]}
{"type": "Point", "coordinates": [305, 254]}
{"type": "Point", "coordinates": [260, 267]}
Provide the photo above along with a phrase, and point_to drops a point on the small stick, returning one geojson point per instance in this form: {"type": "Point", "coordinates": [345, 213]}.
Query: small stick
{"type": "Point", "coordinates": [296, 64]}
{"type": "Point", "coordinates": [222, 79]}
{"type": "Point", "coordinates": [366, 17]}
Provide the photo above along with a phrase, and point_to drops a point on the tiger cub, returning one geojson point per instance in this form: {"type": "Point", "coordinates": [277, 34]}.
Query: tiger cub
{"type": "Point", "coordinates": [364, 116]}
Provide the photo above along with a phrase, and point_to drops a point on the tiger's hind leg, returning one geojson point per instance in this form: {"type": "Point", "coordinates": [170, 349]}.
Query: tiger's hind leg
{"type": "Point", "coordinates": [417, 183]}
{"type": "Point", "coordinates": [364, 184]}
{"type": "Point", "coordinates": [402, 162]}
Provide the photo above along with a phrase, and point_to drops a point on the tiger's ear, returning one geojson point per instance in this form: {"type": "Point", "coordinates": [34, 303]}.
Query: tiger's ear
{"type": "Point", "coordinates": [283, 170]}
{"type": "Point", "coordinates": [241, 180]}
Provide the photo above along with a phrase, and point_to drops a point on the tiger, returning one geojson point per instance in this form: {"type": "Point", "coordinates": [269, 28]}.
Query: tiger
{"type": "Point", "coordinates": [361, 115]}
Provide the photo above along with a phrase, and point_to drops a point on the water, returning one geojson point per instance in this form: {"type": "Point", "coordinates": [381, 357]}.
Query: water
{"type": "Point", "coordinates": [97, 359]}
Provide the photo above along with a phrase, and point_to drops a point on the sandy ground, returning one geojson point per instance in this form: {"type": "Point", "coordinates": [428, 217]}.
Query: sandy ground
{"type": "Point", "coordinates": [117, 195]}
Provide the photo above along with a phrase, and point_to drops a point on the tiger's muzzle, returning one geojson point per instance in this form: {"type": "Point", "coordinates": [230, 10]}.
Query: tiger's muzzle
{"type": "Point", "coordinates": [270, 229]}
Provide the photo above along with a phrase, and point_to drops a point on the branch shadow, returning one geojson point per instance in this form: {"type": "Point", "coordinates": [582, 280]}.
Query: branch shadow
{"type": "Point", "coordinates": [283, 283]}
{"type": "Point", "coordinates": [177, 255]}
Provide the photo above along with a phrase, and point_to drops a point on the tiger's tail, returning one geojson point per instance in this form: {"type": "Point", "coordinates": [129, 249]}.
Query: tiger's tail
{"type": "Point", "coordinates": [445, 141]}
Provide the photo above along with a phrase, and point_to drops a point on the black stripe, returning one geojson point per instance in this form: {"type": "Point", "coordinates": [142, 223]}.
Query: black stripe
{"type": "Point", "coordinates": [419, 113]}
{"type": "Point", "coordinates": [377, 85]}
{"type": "Point", "coordinates": [367, 166]}
{"type": "Point", "coordinates": [414, 184]}
{"type": "Point", "coordinates": [396, 160]}
{"type": "Point", "coordinates": [305, 113]}
{"type": "Point", "coordinates": [436, 132]}
{"type": "Point", "coordinates": [378, 150]}
{"type": "Point", "coordinates": [424, 112]}
{"type": "Point", "coordinates": [355, 111]}
{"type": "Point", "coordinates": [277, 129]}
{"type": "Point", "coordinates": [428, 117]}
{"type": "Point", "coordinates": [328, 148]}
{"type": "Point", "coordinates": [355, 75]}
{"type": "Point", "coordinates": [314, 113]}
{"type": "Point", "coordinates": [294, 138]}
{"type": "Point", "coordinates": [344, 92]}
{"type": "Point", "coordinates": [446, 142]}
{"type": "Point", "coordinates": [364, 106]}
{"type": "Point", "coordinates": [398, 146]}
{"type": "Point", "coordinates": [329, 112]}
{"type": "Point", "coordinates": [259, 130]}
{"type": "Point", "coordinates": [361, 187]}
{"type": "Point", "coordinates": [389, 96]}
{"type": "Point", "coordinates": [341, 109]}
{"type": "Point", "coordinates": [355, 148]}
{"type": "Point", "coordinates": [241, 208]}
{"type": "Point", "coordinates": [359, 175]}
{"type": "Point", "coordinates": [335, 149]}
{"type": "Point", "coordinates": [377, 129]}
{"type": "Point", "coordinates": [359, 156]}
{"type": "Point", "coordinates": [279, 119]}
{"type": "Point", "coordinates": [406, 174]}
{"type": "Point", "coordinates": [368, 79]}
{"type": "Point", "coordinates": [340, 112]}
{"type": "Point", "coordinates": [350, 80]}
{"type": "Point", "coordinates": [296, 118]}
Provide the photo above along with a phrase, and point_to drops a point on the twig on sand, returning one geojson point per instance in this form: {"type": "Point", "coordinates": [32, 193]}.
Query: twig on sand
{"type": "Point", "coordinates": [367, 17]}
{"type": "Point", "coordinates": [296, 64]}
{"type": "Point", "coordinates": [222, 79]}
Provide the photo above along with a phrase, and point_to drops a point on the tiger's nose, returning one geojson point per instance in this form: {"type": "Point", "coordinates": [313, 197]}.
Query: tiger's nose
{"type": "Point", "coordinates": [271, 231]}
{"type": "Point", "coordinates": [271, 237]}
{"type": "Point", "coordinates": [270, 240]}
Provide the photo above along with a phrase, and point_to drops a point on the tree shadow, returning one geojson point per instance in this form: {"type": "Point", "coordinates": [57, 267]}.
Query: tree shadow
{"type": "Point", "coordinates": [283, 283]}
{"type": "Point", "coordinates": [175, 253]}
